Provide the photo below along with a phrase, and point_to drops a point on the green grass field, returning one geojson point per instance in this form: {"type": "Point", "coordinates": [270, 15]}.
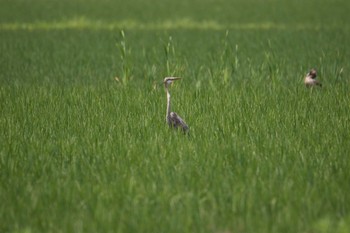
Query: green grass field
{"type": "Point", "coordinates": [81, 152]}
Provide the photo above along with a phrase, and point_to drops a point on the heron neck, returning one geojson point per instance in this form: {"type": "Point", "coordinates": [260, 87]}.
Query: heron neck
{"type": "Point", "coordinates": [168, 103]}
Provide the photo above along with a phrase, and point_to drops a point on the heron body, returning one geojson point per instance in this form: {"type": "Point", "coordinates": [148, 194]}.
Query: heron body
{"type": "Point", "coordinates": [172, 119]}
{"type": "Point", "coordinates": [310, 79]}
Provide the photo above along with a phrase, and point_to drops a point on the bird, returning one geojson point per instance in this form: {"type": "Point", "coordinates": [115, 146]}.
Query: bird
{"type": "Point", "coordinates": [310, 79]}
{"type": "Point", "coordinates": [172, 119]}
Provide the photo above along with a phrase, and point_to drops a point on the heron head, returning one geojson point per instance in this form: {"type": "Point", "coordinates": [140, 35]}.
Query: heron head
{"type": "Point", "coordinates": [312, 73]}
{"type": "Point", "coordinates": [170, 80]}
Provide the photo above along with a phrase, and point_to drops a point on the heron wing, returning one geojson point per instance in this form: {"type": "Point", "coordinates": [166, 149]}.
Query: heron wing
{"type": "Point", "coordinates": [176, 121]}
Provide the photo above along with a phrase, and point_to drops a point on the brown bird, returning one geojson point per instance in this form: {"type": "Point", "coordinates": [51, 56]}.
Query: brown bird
{"type": "Point", "coordinates": [310, 79]}
{"type": "Point", "coordinates": [172, 119]}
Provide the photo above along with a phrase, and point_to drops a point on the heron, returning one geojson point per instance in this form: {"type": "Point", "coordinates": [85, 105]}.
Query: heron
{"type": "Point", "coordinates": [172, 119]}
{"type": "Point", "coordinates": [310, 79]}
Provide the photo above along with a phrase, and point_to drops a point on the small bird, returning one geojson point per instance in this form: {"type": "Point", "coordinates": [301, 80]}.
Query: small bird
{"type": "Point", "coordinates": [172, 119]}
{"type": "Point", "coordinates": [310, 79]}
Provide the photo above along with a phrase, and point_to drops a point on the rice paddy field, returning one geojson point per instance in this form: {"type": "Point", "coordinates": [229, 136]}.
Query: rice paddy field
{"type": "Point", "coordinates": [84, 146]}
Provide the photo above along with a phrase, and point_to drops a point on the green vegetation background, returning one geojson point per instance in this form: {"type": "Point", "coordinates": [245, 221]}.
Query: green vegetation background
{"type": "Point", "coordinates": [82, 152]}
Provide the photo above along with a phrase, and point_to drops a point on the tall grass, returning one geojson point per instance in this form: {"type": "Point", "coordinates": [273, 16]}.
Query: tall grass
{"type": "Point", "coordinates": [80, 152]}
{"type": "Point", "coordinates": [261, 162]}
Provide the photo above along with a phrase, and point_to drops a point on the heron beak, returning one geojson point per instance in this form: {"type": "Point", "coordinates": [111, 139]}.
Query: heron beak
{"type": "Point", "coordinates": [171, 79]}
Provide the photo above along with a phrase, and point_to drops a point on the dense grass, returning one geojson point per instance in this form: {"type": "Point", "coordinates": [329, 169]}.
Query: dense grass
{"type": "Point", "coordinates": [81, 152]}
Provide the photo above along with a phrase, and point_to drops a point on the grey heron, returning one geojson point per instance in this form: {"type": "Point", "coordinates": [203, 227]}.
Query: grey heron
{"type": "Point", "coordinates": [172, 119]}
